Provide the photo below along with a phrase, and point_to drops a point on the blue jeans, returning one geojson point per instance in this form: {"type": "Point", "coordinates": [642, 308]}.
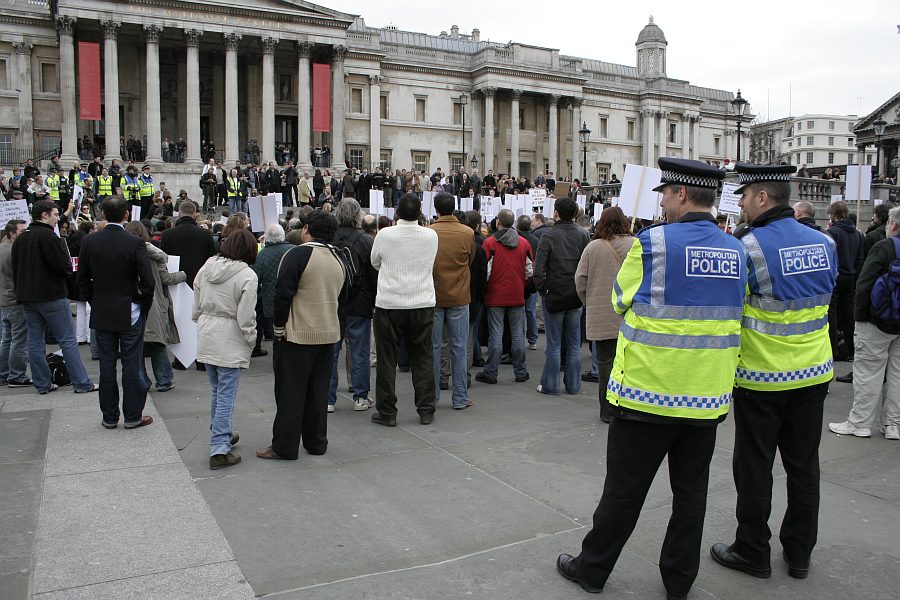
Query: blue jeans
{"type": "Point", "coordinates": [55, 315]}
{"type": "Point", "coordinates": [13, 343]}
{"type": "Point", "coordinates": [129, 348]}
{"type": "Point", "coordinates": [159, 361]}
{"type": "Point", "coordinates": [358, 332]}
{"type": "Point", "coordinates": [223, 382]}
{"type": "Point", "coordinates": [234, 204]}
{"type": "Point", "coordinates": [516, 316]}
{"type": "Point", "coordinates": [456, 320]}
{"type": "Point", "coordinates": [531, 330]}
{"type": "Point", "coordinates": [594, 368]}
{"type": "Point", "coordinates": [555, 324]}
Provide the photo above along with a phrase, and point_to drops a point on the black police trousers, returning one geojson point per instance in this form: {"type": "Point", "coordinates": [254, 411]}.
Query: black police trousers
{"type": "Point", "coordinates": [635, 450]}
{"type": "Point", "coordinates": [789, 421]}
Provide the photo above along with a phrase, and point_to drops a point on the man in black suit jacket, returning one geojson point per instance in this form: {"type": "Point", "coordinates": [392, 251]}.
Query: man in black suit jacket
{"type": "Point", "coordinates": [115, 276]}
{"type": "Point", "coordinates": [188, 241]}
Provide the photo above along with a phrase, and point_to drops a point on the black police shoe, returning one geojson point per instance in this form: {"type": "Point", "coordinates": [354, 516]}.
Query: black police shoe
{"type": "Point", "coordinates": [725, 556]}
{"type": "Point", "coordinates": [797, 571]}
{"type": "Point", "coordinates": [565, 564]}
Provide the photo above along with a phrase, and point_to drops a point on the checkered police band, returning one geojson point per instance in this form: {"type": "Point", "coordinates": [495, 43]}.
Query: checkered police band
{"type": "Point", "coordinates": [676, 178]}
{"type": "Point", "coordinates": [748, 178]}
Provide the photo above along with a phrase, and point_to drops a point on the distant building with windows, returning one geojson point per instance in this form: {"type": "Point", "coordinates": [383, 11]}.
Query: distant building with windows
{"type": "Point", "coordinates": [824, 141]}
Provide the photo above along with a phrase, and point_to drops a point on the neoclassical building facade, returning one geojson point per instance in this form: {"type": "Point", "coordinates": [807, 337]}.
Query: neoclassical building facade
{"type": "Point", "coordinates": [233, 73]}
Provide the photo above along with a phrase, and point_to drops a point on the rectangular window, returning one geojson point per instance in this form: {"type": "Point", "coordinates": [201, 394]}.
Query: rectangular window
{"type": "Point", "coordinates": [809, 140]}
{"type": "Point", "coordinates": [809, 158]}
{"type": "Point", "coordinates": [357, 157]}
{"type": "Point", "coordinates": [50, 142]}
{"type": "Point", "coordinates": [356, 100]}
{"type": "Point", "coordinates": [420, 161]}
{"type": "Point", "coordinates": [850, 126]}
{"type": "Point", "coordinates": [4, 80]}
{"type": "Point", "coordinates": [810, 124]}
{"type": "Point", "coordinates": [849, 142]}
{"type": "Point", "coordinates": [797, 159]}
{"type": "Point", "coordinates": [456, 162]}
{"type": "Point", "coordinates": [790, 144]}
{"type": "Point", "coordinates": [604, 127]}
{"type": "Point", "coordinates": [629, 130]}
{"type": "Point", "coordinates": [6, 157]}
{"type": "Point", "coordinates": [831, 158]}
{"type": "Point", "coordinates": [384, 106]}
{"type": "Point", "coordinates": [385, 162]}
{"type": "Point", "coordinates": [851, 158]}
{"type": "Point", "coordinates": [602, 172]}
{"type": "Point", "coordinates": [521, 118]}
{"type": "Point", "coordinates": [673, 132]}
{"type": "Point", "coordinates": [831, 140]}
{"type": "Point", "coordinates": [457, 113]}
{"type": "Point", "coordinates": [420, 110]}
{"type": "Point", "coordinates": [868, 159]}
{"type": "Point", "coordinates": [717, 142]}
{"type": "Point", "coordinates": [49, 81]}
{"type": "Point", "coordinates": [799, 126]}
{"type": "Point", "coordinates": [830, 125]}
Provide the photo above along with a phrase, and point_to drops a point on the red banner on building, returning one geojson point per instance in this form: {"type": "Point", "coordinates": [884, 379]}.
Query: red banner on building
{"type": "Point", "coordinates": [89, 80]}
{"type": "Point", "coordinates": [321, 97]}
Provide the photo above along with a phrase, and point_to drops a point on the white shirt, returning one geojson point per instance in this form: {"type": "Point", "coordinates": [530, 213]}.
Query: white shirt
{"type": "Point", "coordinates": [404, 256]}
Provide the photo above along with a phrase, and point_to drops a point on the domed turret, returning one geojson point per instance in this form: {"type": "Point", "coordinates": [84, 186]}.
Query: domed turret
{"type": "Point", "coordinates": [651, 51]}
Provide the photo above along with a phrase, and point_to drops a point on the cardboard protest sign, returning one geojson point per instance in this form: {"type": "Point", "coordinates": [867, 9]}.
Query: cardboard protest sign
{"type": "Point", "coordinates": [263, 212]}
{"type": "Point", "coordinates": [728, 201]}
{"type": "Point", "coordinates": [859, 183]}
{"type": "Point", "coordinates": [182, 305]}
{"type": "Point", "coordinates": [637, 198]}
{"type": "Point", "coordinates": [14, 209]}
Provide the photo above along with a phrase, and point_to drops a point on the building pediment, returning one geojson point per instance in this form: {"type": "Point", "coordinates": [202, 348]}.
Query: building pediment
{"type": "Point", "coordinates": [889, 111]}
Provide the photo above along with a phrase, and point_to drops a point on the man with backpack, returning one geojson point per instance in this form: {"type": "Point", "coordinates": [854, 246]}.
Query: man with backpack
{"type": "Point", "coordinates": [876, 367]}
{"type": "Point", "coordinates": [356, 305]}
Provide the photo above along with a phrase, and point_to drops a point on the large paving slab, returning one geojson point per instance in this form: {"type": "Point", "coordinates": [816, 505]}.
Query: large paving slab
{"type": "Point", "coordinates": [298, 527]}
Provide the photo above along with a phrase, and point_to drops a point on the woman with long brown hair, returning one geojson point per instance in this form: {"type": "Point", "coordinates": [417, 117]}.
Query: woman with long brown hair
{"type": "Point", "coordinates": [594, 280]}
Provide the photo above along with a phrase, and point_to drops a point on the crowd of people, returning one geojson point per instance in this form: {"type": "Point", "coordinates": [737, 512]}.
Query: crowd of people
{"type": "Point", "coordinates": [682, 318]}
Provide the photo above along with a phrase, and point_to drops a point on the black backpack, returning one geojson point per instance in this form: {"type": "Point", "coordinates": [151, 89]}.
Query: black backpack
{"type": "Point", "coordinates": [59, 372]}
{"type": "Point", "coordinates": [885, 294]}
{"type": "Point", "coordinates": [344, 251]}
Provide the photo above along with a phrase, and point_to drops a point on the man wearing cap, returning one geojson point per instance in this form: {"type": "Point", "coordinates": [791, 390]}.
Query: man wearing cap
{"type": "Point", "coordinates": [146, 181]}
{"type": "Point", "coordinates": [783, 374]}
{"type": "Point", "coordinates": [680, 290]}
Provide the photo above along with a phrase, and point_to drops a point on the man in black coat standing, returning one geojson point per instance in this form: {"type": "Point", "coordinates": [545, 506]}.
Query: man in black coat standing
{"type": "Point", "coordinates": [115, 276]}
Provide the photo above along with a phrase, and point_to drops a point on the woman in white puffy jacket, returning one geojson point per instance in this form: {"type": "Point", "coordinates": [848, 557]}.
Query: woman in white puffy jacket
{"type": "Point", "coordinates": [225, 313]}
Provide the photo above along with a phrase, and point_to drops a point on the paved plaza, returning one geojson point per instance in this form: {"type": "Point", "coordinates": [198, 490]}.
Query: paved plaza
{"type": "Point", "coordinates": [476, 505]}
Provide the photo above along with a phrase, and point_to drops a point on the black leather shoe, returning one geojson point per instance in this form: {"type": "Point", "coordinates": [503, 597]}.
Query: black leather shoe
{"type": "Point", "coordinates": [380, 419]}
{"type": "Point", "coordinates": [674, 597]}
{"type": "Point", "coordinates": [480, 376]}
{"type": "Point", "coordinates": [565, 564]}
{"type": "Point", "coordinates": [725, 556]}
{"type": "Point", "coordinates": [794, 570]}
{"type": "Point", "coordinates": [589, 377]}
{"type": "Point", "coordinates": [848, 378]}
{"type": "Point", "coordinates": [426, 418]}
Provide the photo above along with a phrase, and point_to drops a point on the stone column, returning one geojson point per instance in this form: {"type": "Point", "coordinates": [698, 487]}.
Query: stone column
{"type": "Point", "coordinates": [576, 143]}
{"type": "Point", "coordinates": [192, 97]}
{"type": "Point", "coordinates": [685, 124]}
{"type": "Point", "coordinates": [231, 99]}
{"type": "Point", "coordinates": [338, 154]}
{"type": "Point", "coordinates": [154, 136]}
{"type": "Point", "coordinates": [112, 130]}
{"type": "Point", "coordinates": [695, 137]}
{"type": "Point", "coordinates": [374, 121]}
{"type": "Point", "coordinates": [663, 131]}
{"type": "Point", "coordinates": [304, 126]}
{"type": "Point", "coordinates": [65, 26]}
{"type": "Point", "coordinates": [553, 135]}
{"type": "Point", "coordinates": [267, 143]}
{"type": "Point", "coordinates": [217, 124]}
{"type": "Point", "coordinates": [476, 129]}
{"type": "Point", "coordinates": [489, 93]}
{"type": "Point", "coordinates": [26, 110]}
{"type": "Point", "coordinates": [514, 133]}
{"type": "Point", "coordinates": [647, 158]}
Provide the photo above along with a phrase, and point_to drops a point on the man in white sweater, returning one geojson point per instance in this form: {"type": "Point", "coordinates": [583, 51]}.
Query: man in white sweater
{"type": "Point", "coordinates": [404, 310]}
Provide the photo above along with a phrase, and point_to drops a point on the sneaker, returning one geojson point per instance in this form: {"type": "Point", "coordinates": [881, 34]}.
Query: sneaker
{"type": "Point", "coordinates": [257, 352]}
{"type": "Point", "coordinates": [167, 388]}
{"type": "Point", "coordinates": [891, 432]}
{"type": "Point", "coordinates": [331, 408]}
{"type": "Point", "coordinates": [220, 461]}
{"type": "Point", "coordinates": [848, 428]}
{"type": "Point", "coordinates": [53, 387]}
{"type": "Point", "coordinates": [95, 387]}
{"type": "Point", "coordinates": [532, 346]}
{"type": "Point", "coordinates": [2, 382]}
{"type": "Point", "coordinates": [17, 383]}
{"type": "Point", "coordinates": [522, 378]}
{"type": "Point", "coordinates": [360, 404]}
{"type": "Point", "coordinates": [371, 402]}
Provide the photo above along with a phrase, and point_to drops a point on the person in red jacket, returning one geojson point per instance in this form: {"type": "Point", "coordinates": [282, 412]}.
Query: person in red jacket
{"type": "Point", "coordinates": [510, 265]}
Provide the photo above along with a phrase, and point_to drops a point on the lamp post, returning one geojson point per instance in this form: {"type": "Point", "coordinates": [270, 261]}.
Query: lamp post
{"type": "Point", "coordinates": [585, 135]}
{"type": "Point", "coordinates": [880, 124]}
{"type": "Point", "coordinates": [739, 105]}
{"type": "Point", "coordinates": [463, 100]}
{"type": "Point", "coordinates": [474, 163]}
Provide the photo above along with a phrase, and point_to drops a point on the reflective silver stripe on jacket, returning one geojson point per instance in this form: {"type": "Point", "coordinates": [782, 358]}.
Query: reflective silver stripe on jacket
{"type": "Point", "coordinates": [761, 267]}
{"type": "Point", "coordinates": [693, 313]}
{"type": "Point", "coordinates": [690, 342]}
{"type": "Point", "coordinates": [658, 266]}
{"type": "Point", "coordinates": [784, 329]}
{"type": "Point", "coordinates": [770, 304]}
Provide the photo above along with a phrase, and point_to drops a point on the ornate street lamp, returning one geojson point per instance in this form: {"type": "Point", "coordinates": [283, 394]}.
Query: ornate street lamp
{"type": "Point", "coordinates": [585, 135]}
{"type": "Point", "coordinates": [474, 163]}
{"type": "Point", "coordinates": [880, 124]}
{"type": "Point", "coordinates": [463, 100]}
{"type": "Point", "coordinates": [739, 105]}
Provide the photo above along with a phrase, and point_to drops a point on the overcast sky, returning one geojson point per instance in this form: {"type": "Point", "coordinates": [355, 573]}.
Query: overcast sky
{"type": "Point", "coordinates": [787, 57]}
